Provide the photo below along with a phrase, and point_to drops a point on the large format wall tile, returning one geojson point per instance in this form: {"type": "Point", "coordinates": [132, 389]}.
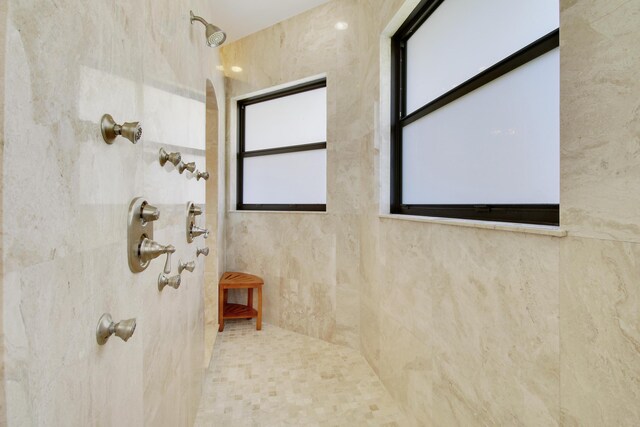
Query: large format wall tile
{"type": "Point", "coordinates": [495, 320]}
{"type": "Point", "coordinates": [64, 245]}
{"type": "Point", "coordinates": [407, 370]}
{"type": "Point", "coordinates": [600, 110]}
{"type": "Point", "coordinates": [462, 325]}
{"type": "Point", "coordinates": [492, 319]}
{"type": "Point", "coordinates": [600, 330]}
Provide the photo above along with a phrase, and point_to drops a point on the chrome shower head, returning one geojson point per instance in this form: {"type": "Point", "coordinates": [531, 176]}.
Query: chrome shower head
{"type": "Point", "coordinates": [215, 36]}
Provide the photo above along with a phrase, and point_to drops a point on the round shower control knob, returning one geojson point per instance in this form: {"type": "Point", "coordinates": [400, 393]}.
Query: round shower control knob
{"type": "Point", "coordinates": [124, 329]}
{"type": "Point", "coordinates": [173, 281]}
{"type": "Point", "coordinates": [189, 266]}
{"type": "Point", "coordinates": [149, 213]}
{"type": "Point", "coordinates": [173, 158]}
{"type": "Point", "coordinates": [203, 175]}
{"type": "Point", "coordinates": [191, 167]}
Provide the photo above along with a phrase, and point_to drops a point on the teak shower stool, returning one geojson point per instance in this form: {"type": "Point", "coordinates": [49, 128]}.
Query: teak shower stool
{"type": "Point", "coordinates": [235, 280]}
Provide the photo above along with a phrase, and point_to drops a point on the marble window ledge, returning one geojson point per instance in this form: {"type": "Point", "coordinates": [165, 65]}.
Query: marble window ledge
{"type": "Point", "coordinates": [235, 211]}
{"type": "Point", "coordinates": [544, 230]}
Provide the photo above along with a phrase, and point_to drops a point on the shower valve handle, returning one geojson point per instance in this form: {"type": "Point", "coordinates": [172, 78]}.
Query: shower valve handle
{"type": "Point", "coordinates": [150, 249]}
{"type": "Point", "coordinates": [167, 263]}
{"type": "Point", "coordinates": [195, 209]}
{"type": "Point", "coordinates": [173, 158]}
{"type": "Point", "coordinates": [191, 167]}
{"type": "Point", "coordinates": [124, 329]}
{"type": "Point", "coordinates": [149, 213]}
{"type": "Point", "coordinates": [189, 266]}
{"type": "Point", "coordinates": [197, 231]}
{"type": "Point", "coordinates": [173, 281]}
{"type": "Point", "coordinates": [203, 175]}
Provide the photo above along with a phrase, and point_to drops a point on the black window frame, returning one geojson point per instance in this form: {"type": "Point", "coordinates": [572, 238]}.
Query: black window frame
{"type": "Point", "coordinates": [542, 214]}
{"type": "Point", "coordinates": [242, 153]}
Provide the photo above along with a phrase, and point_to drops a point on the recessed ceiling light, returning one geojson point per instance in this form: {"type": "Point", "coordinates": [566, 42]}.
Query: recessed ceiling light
{"type": "Point", "coordinates": [236, 69]}
{"type": "Point", "coordinates": [341, 25]}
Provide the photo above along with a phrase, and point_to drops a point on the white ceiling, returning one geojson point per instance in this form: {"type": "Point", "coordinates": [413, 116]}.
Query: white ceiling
{"type": "Point", "coordinates": [239, 18]}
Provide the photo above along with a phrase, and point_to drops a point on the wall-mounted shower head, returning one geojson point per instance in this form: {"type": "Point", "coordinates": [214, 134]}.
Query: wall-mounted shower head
{"type": "Point", "coordinates": [215, 36]}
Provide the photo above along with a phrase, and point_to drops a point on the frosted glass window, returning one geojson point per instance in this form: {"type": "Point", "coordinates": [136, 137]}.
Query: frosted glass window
{"type": "Point", "coordinates": [497, 145]}
{"type": "Point", "coordinates": [282, 149]}
{"type": "Point", "coordinates": [475, 131]}
{"type": "Point", "coordinates": [290, 120]}
{"type": "Point", "coordinates": [464, 37]}
{"type": "Point", "coordinates": [290, 178]}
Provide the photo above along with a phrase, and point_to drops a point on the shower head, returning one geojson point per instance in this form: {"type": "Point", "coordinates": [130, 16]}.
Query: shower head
{"type": "Point", "coordinates": [215, 36]}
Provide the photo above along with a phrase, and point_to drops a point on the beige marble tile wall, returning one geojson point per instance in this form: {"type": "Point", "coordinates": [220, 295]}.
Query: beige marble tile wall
{"type": "Point", "coordinates": [67, 63]}
{"type": "Point", "coordinates": [464, 326]}
{"type": "Point", "coordinates": [467, 333]}
{"type": "Point", "coordinates": [309, 261]}
{"type": "Point", "coordinates": [600, 262]}
{"type": "Point", "coordinates": [3, 22]}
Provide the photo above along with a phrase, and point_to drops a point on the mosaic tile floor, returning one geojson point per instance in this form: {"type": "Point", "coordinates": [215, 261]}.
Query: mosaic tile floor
{"type": "Point", "coordinates": [276, 377]}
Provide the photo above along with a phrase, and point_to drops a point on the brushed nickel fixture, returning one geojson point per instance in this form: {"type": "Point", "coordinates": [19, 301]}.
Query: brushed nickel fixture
{"type": "Point", "coordinates": [196, 231]}
{"type": "Point", "coordinates": [189, 266]}
{"type": "Point", "coordinates": [203, 175]}
{"type": "Point", "coordinates": [194, 210]}
{"type": "Point", "coordinates": [191, 167]}
{"type": "Point", "coordinates": [141, 246]}
{"type": "Point", "coordinates": [150, 249]}
{"type": "Point", "coordinates": [107, 327]}
{"type": "Point", "coordinates": [173, 158]}
{"type": "Point", "coordinates": [215, 36]}
{"type": "Point", "coordinates": [202, 251]}
{"type": "Point", "coordinates": [149, 213]}
{"type": "Point", "coordinates": [110, 130]}
{"type": "Point", "coordinates": [137, 228]}
{"type": "Point", "coordinates": [164, 280]}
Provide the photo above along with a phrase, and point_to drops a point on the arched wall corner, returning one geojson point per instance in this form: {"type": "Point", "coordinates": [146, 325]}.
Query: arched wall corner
{"type": "Point", "coordinates": [215, 210]}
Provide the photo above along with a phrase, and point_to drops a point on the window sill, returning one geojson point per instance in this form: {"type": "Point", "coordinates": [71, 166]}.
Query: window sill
{"type": "Point", "coordinates": [235, 211]}
{"type": "Point", "coordinates": [544, 230]}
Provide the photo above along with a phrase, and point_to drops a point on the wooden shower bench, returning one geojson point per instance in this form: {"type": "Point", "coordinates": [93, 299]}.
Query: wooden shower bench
{"type": "Point", "coordinates": [235, 280]}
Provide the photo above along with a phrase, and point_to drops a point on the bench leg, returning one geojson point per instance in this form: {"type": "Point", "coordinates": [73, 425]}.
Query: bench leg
{"type": "Point", "coordinates": [250, 297]}
{"type": "Point", "coordinates": [221, 295]}
{"type": "Point", "coordinates": [259, 321]}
